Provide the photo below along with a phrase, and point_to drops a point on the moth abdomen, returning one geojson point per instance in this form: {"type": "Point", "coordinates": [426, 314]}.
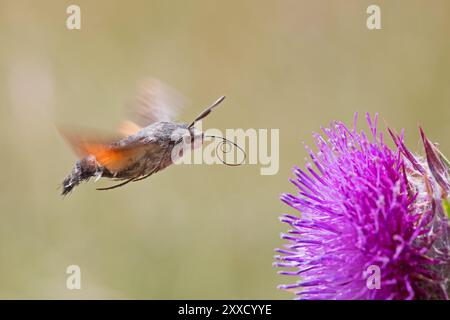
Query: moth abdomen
{"type": "Point", "coordinates": [83, 170]}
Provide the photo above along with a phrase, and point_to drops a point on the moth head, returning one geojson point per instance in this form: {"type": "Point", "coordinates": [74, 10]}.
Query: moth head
{"type": "Point", "coordinates": [196, 137]}
{"type": "Point", "coordinates": [189, 137]}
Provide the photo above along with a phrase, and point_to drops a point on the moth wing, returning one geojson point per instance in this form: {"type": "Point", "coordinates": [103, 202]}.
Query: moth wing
{"type": "Point", "coordinates": [109, 154]}
{"type": "Point", "coordinates": [154, 101]}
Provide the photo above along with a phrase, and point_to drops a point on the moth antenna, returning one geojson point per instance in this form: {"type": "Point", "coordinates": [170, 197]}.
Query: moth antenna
{"type": "Point", "coordinates": [207, 111]}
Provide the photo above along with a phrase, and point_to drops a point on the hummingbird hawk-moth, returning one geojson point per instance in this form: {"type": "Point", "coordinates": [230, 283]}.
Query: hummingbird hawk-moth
{"type": "Point", "coordinates": [148, 138]}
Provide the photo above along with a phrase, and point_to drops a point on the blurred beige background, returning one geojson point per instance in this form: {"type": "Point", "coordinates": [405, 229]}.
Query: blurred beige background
{"type": "Point", "coordinates": [192, 231]}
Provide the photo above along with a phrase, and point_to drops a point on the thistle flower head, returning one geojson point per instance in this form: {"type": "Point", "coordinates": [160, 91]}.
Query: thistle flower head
{"type": "Point", "coordinates": [365, 207]}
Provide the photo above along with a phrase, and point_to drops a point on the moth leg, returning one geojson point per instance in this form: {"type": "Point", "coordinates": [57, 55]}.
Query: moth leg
{"type": "Point", "coordinates": [117, 185]}
{"type": "Point", "coordinates": [136, 178]}
{"type": "Point", "coordinates": [147, 175]}
{"type": "Point", "coordinates": [156, 169]}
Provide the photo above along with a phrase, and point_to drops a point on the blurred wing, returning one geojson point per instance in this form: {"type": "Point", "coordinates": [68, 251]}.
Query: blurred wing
{"type": "Point", "coordinates": [112, 157]}
{"type": "Point", "coordinates": [154, 102]}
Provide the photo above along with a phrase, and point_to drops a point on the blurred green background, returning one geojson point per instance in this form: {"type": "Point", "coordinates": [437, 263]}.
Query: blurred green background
{"type": "Point", "coordinates": [192, 231]}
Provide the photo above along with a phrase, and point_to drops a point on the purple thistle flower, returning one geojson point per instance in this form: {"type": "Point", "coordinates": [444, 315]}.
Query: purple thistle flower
{"type": "Point", "coordinates": [366, 205]}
